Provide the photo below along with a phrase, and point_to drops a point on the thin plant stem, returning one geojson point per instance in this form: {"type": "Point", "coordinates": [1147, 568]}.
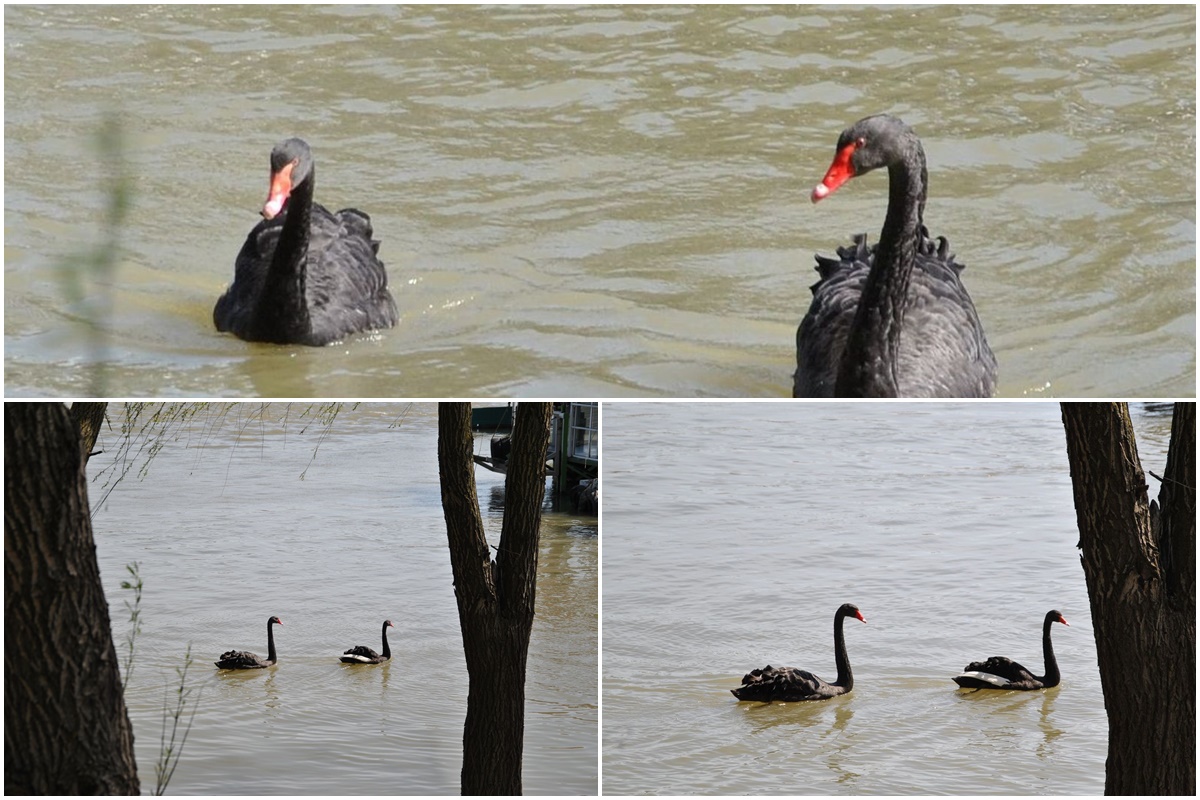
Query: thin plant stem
{"type": "Point", "coordinates": [168, 751]}
{"type": "Point", "coordinates": [135, 616]}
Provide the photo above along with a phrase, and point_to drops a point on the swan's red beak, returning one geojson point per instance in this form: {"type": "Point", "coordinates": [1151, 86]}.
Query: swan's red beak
{"type": "Point", "coordinates": [281, 187]}
{"type": "Point", "coordinates": [840, 171]}
{"type": "Point", "coordinates": [861, 618]}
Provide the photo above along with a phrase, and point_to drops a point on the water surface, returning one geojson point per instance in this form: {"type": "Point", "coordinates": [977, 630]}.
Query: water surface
{"type": "Point", "coordinates": [734, 531]}
{"type": "Point", "coordinates": [597, 201]}
{"type": "Point", "coordinates": [244, 515]}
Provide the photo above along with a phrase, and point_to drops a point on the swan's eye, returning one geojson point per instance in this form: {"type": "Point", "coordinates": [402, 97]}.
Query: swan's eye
{"type": "Point", "coordinates": [862, 141]}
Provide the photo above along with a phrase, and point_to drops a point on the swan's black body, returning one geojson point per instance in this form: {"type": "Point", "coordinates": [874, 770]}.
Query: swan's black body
{"type": "Point", "coordinates": [790, 684]}
{"type": "Point", "coordinates": [244, 659]}
{"type": "Point", "coordinates": [304, 275]}
{"type": "Point", "coordinates": [365, 655]}
{"type": "Point", "coordinates": [999, 672]}
{"type": "Point", "coordinates": [892, 319]}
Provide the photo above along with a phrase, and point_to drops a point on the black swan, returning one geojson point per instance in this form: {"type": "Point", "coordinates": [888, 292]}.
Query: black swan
{"type": "Point", "coordinates": [243, 659]}
{"type": "Point", "coordinates": [305, 276]}
{"type": "Point", "coordinates": [999, 672]}
{"type": "Point", "coordinates": [789, 683]}
{"type": "Point", "coordinates": [365, 655]}
{"type": "Point", "coordinates": [894, 319]}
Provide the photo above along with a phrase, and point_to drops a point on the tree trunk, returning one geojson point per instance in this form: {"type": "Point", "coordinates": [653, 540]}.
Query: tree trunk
{"type": "Point", "coordinates": [88, 417]}
{"type": "Point", "coordinates": [1140, 564]}
{"type": "Point", "coordinates": [495, 598]}
{"type": "Point", "coordinates": [65, 726]}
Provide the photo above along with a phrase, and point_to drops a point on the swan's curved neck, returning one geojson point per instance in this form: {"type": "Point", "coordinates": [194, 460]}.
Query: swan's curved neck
{"type": "Point", "coordinates": [868, 367]}
{"type": "Point", "coordinates": [284, 304]}
{"type": "Point", "coordinates": [1052, 677]}
{"type": "Point", "coordinates": [270, 642]}
{"type": "Point", "coordinates": [387, 651]}
{"type": "Point", "coordinates": [845, 678]}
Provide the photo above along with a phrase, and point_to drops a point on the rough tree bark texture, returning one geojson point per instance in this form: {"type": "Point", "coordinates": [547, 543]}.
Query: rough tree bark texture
{"type": "Point", "coordinates": [495, 598]}
{"type": "Point", "coordinates": [88, 417]}
{"type": "Point", "coordinates": [1140, 567]}
{"type": "Point", "coordinates": [65, 726]}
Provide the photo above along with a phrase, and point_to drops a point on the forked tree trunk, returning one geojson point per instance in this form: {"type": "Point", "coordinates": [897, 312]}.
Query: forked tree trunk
{"type": "Point", "coordinates": [495, 598]}
{"type": "Point", "coordinates": [66, 731]}
{"type": "Point", "coordinates": [1140, 565]}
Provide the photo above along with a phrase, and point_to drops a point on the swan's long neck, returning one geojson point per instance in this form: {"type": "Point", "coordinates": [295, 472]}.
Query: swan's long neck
{"type": "Point", "coordinates": [387, 651]}
{"type": "Point", "coordinates": [1052, 676]}
{"type": "Point", "coordinates": [868, 367]}
{"type": "Point", "coordinates": [845, 678]}
{"type": "Point", "coordinates": [284, 304]}
{"type": "Point", "coordinates": [270, 641]}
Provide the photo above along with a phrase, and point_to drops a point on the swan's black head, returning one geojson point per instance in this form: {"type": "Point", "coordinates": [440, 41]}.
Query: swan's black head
{"type": "Point", "coordinates": [1055, 616]}
{"type": "Point", "coordinates": [274, 621]}
{"type": "Point", "coordinates": [850, 610]}
{"type": "Point", "coordinates": [868, 144]}
{"type": "Point", "coordinates": [291, 165]}
{"type": "Point", "coordinates": [387, 623]}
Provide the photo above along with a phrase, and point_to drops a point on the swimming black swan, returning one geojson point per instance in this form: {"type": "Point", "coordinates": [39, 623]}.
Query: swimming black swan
{"type": "Point", "coordinates": [365, 655]}
{"type": "Point", "coordinates": [999, 672]}
{"type": "Point", "coordinates": [789, 683]}
{"type": "Point", "coordinates": [242, 659]}
{"type": "Point", "coordinates": [894, 319]}
{"type": "Point", "coordinates": [305, 276]}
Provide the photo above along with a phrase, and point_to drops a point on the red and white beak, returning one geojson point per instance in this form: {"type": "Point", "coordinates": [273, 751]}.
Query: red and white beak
{"type": "Point", "coordinates": [840, 171]}
{"type": "Point", "coordinates": [281, 188]}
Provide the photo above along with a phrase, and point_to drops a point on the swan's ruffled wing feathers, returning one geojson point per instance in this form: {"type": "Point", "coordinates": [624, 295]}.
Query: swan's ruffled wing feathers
{"type": "Point", "coordinates": [825, 329]}
{"type": "Point", "coordinates": [360, 650]}
{"type": "Point", "coordinates": [998, 672]}
{"type": "Point", "coordinates": [235, 659]}
{"type": "Point", "coordinates": [1004, 667]}
{"type": "Point", "coordinates": [781, 683]}
{"type": "Point", "coordinates": [342, 262]}
{"type": "Point", "coordinates": [948, 331]}
{"type": "Point", "coordinates": [358, 223]}
{"type": "Point", "coordinates": [855, 255]}
{"type": "Point", "coordinates": [953, 335]}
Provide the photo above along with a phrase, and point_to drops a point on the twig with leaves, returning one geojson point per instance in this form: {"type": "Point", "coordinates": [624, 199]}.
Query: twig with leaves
{"type": "Point", "coordinates": [168, 751]}
{"type": "Point", "coordinates": [135, 616]}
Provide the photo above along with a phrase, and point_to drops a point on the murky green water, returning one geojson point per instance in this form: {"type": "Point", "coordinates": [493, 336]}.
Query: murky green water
{"type": "Point", "coordinates": [598, 201]}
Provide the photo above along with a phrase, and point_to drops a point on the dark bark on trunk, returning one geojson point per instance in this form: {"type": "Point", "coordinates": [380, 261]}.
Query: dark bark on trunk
{"type": "Point", "coordinates": [88, 417]}
{"type": "Point", "coordinates": [1140, 567]}
{"type": "Point", "coordinates": [495, 598]}
{"type": "Point", "coordinates": [66, 730]}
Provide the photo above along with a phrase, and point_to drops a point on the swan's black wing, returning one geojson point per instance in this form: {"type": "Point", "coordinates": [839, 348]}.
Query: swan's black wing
{"type": "Point", "coordinates": [347, 285]}
{"type": "Point", "coordinates": [240, 659]}
{"type": "Point", "coordinates": [997, 672]}
{"type": "Point", "coordinates": [783, 684]}
{"type": "Point", "coordinates": [943, 352]}
{"type": "Point", "coordinates": [1004, 667]}
{"type": "Point", "coordinates": [825, 329]}
{"type": "Point", "coordinates": [362, 651]}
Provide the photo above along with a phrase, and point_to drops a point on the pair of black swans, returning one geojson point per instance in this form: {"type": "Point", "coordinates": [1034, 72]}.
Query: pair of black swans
{"type": "Point", "coordinates": [889, 320]}
{"type": "Point", "coordinates": [243, 659]}
{"type": "Point", "coordinates": [788, 684]}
